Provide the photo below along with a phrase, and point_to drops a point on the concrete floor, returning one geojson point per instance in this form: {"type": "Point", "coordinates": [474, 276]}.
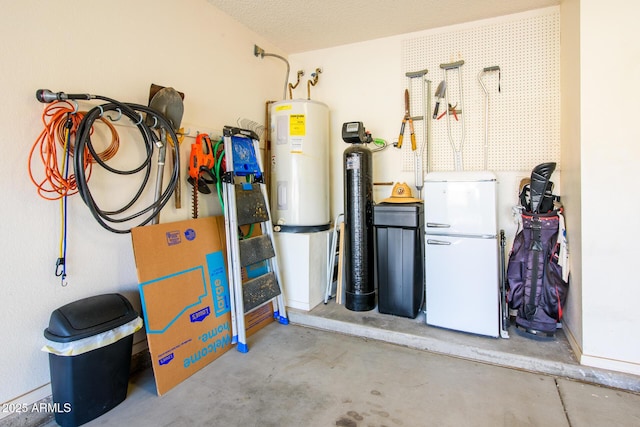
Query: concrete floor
{"type": "Point", "coordinates": [547, 356]}
{"type": "Point", "coordinates": [302, 376]}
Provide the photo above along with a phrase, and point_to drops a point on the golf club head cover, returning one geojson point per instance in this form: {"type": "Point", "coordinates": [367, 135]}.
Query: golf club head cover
{"type": "Point", "coordinates": [546, 204]}
{"type": "Point", "coordinates": [540, 177]}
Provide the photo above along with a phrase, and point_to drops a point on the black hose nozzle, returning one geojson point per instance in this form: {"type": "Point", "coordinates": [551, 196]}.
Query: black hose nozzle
{"type": "Point", "coordinates": [46, 96]}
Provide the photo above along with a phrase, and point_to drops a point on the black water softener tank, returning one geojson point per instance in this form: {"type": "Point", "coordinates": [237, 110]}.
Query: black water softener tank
{"type": "Point", "coordinates": [360, 294]}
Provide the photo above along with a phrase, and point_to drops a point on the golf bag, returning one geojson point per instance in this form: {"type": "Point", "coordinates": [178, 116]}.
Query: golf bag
{"type": "Point", "coordinates": [538, 285]}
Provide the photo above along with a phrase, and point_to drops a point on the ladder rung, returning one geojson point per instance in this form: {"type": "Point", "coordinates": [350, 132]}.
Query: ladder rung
{"type": "Point", "coordinates": [256, 249]}
{"type": "Point", "coordinates": [259, 290]}
{"type": "Point", "coordinates": [250, 205]}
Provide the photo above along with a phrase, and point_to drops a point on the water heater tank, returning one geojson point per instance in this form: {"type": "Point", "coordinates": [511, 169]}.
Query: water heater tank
{"type": "Point", "coordinates": [300, 165]}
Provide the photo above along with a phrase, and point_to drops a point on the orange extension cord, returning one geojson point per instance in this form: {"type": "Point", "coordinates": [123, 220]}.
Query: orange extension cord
{"type": "Point", "coordinates": [55, 185]}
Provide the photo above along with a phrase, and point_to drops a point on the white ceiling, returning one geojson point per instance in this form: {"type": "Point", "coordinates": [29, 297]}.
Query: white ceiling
{"type": "Point", "coordinates": [302, 25]}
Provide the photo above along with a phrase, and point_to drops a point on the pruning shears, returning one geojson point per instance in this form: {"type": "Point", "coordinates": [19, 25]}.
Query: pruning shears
{"type": "Point", "coordinates": [451, 110]}
{"type": "Point", "coordinates": [405, 119]}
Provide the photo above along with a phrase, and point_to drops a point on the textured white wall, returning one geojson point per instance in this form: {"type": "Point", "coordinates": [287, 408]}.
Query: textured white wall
{"type": "Point", "coordinates": [116, 49]}
{"type": "Point", "coordinates": [610, 155]}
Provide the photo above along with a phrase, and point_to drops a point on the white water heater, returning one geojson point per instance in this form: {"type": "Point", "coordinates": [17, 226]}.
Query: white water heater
{"type": "Point", "coordinates": [300, 165]}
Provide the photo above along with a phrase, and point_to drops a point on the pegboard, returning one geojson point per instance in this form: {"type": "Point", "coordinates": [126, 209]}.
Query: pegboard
{"type": "Point", "coordinates": [524, 96]}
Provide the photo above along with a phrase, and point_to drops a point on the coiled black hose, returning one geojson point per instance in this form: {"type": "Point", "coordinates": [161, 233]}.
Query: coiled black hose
{"type": "Point", "coordinates": [110, 219]}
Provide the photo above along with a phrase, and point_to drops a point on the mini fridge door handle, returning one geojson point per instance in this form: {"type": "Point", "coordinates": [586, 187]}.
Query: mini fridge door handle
{"type": "Point", "coordinates": [437, 242]}
{"type": "Point", "coordinates": [437, 225]}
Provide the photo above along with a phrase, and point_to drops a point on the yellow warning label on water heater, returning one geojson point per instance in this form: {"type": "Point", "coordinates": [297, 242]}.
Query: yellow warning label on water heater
{"type": "Point", "coordinates": [283, 107]}
{"type": "Point", "coordinates": [297, 126]}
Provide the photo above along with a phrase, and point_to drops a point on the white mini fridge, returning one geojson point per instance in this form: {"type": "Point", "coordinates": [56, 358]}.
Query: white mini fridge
{"type": "Point", "coordinates": [461, 252]}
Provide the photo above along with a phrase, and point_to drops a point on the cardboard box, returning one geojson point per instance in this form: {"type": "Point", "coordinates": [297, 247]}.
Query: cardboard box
{"type": "Point", "coordinates": [185, 296]}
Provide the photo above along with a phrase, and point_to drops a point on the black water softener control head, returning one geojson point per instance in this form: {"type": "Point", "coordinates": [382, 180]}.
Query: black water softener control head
{"type": "Point", "coordinates": [355, 133]}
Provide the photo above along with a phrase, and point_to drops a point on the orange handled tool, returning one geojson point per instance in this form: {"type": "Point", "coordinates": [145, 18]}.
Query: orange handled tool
{"type": "Point", "coordinates": [201, 155]}
{"type": "Point", "coordinates": [405, 119]}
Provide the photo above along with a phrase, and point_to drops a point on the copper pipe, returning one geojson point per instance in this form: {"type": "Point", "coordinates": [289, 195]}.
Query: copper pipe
{"type": "Point", "coordinates": [313, 82]}
{"type": "Point", "coordinates": [291, 87]}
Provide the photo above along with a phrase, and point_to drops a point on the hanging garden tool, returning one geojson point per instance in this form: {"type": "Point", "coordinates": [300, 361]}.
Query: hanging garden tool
{"type": "Point", "coordinates": [405, 119]}
{"type": "Point", "coordinates": [440, 91]}
{"type": "Point", "coordinates": [457, 150]}
{"type": "Point", "coordinates": [452, 110]}
{"type": "Point", "coordinates": [200, 160]}
{"type": "Point", "coordinates": [177, 194]}
{"type": "Point", "coordinates": [168, 102]}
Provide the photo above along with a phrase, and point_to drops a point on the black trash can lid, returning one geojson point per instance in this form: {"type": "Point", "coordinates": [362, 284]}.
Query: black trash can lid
{"type": "Point", "coordinates": [89, 316]}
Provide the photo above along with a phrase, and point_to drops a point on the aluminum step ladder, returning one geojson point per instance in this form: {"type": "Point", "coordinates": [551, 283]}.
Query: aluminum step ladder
{"type": "Point", "coordinates": [246, 204]}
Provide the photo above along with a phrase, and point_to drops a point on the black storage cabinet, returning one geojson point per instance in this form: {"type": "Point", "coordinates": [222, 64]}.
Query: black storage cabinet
{"type": "Point", "coordinates": [399, 230]}
{"type": "Point", "coordinates": [87, 385]}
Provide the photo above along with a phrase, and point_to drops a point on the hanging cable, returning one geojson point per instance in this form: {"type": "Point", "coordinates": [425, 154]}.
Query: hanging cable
{"type": "Point", "coordinates": [108, 152]}
{"type": "Point", "coordinates": [55, 117]}
{"type": "Point", "coordinates": [53, 186]}
{"type": "Point", "coordinates": [150, 139]}
{"type": "Point", "coordinates": [61, 119]}
{"type": "Point", "coordinates": [118, 220]}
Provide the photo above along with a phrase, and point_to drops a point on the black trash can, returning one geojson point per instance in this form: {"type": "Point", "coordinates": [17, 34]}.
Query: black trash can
{"type": "Point", "coordinates": [399, 230]}
{"type": "Point", "coordinates": [86, 385]}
